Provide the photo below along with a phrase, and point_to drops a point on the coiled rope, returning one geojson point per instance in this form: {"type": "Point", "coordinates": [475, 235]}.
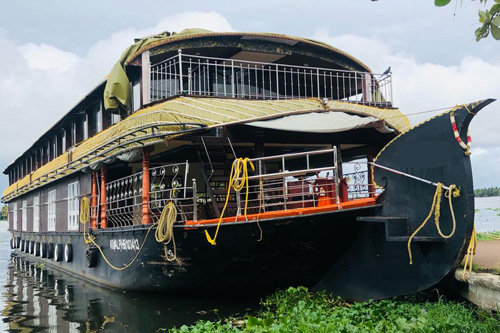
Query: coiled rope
{"type": "Point", "coordinates": [165, 230]}
{"type": "Point", "coordinates": [436, 209]}
{"type": "Point", "coordinates": [237, 180]}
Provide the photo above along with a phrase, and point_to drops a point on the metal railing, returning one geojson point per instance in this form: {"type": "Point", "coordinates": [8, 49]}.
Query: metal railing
{"type": "Point", "coordinates": [292, 181]}
{"type": "Point", "coordinates": [208, 76]}
{"type": "Point", "coordinates": [167, 183]}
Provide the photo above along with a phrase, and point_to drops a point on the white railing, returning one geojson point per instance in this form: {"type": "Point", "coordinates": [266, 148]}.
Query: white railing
{"type": "Point", "coordinates": [207, 76]}
{"type": "Point", "coordinates": [292, 181]}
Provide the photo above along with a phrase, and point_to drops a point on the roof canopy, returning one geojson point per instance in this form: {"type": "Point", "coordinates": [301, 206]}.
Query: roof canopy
{"type": "Point", "coordinates": [169, 119]}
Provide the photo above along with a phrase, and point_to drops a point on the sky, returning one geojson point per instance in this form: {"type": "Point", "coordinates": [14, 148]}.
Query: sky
{"type": "Point", "coordinates": [54, 52]}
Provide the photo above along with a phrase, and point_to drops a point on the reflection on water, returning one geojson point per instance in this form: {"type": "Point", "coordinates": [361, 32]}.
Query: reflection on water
{"type": "Point", "coordinates": [38, 298]}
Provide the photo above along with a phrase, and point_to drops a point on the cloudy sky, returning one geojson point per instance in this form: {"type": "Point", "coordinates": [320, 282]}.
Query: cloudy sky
{"type": "Point", "coordinates": [53, 52]}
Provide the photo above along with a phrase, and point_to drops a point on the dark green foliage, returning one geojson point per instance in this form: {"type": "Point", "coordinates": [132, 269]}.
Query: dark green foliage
{"type": "Point", "coordinates": [487, 192]}
{"type": "Point", "coordinates": [488, 18]}
{"type": "Point", "coordinates": [298, 310]}
{"type": "Point", "coordinates": [3, 213]}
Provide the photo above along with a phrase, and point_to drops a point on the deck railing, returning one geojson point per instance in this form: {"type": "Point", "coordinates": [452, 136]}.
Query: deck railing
{"type": "Point", "coordinates": [218, 77]}
{"type": "Point", "coordinates": [168, 183]}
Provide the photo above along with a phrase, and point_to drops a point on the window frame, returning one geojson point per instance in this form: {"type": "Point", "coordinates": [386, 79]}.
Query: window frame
{"type": "Point", "coordinates": [24, 215]}
{"type": "Point", "coordinates": [36, 213]}
{"type": "Point", "coordinates": [14, 216]}
{"type": "Point", "coordinates": [73, 205]}
{"type": "Point", "coordinates": [51, 210]}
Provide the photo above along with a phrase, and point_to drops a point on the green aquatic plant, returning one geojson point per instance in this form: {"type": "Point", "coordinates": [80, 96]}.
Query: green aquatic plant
{"type": "Point", "coordinates": [298, 310]}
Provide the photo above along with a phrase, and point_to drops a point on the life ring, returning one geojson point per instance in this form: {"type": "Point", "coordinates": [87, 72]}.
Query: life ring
{"type": "Point", "coordinates": [91, 257]}
{"type": "Point", "coordinates": [50, 250]}
{"type": "Point", "coordinates": [68, 252]}
{"type": "Point", "coordinates": [43, 250]}
{"type": "Point", "coordinates": [37, 249]}
{"type": "Point", "coordinates": [58, 252]}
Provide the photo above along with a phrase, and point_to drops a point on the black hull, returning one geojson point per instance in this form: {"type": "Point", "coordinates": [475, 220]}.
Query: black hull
{"type": "Point", "coordinates": [293, 251]}
{"type": "Point", "coordinates": [358, 254]}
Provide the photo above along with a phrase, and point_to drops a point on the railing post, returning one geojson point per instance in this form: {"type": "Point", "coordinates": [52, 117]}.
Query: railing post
{"type": "Point", "coordinates": [371, 184]}
{"type": "Point", "coordinates": [232, 78]}
{"type": "Point", "coordinates": [317, 79]}
{"type": "Point", "coordinates": [146, 219]}
{"type": "Point", "coordinates": [93, 200]}
{"type": "Point", "coordinates": [181, 84]}
{"type": "Point", "coordinates": [336, 175]}
{"type": "Point", "coordinates": [195, 203]}
{"type": "Point", "coordinates": [277, 84]}
{"type": "Point", "coordinates": [146, 78]}
{"type": "Point", "coordinates": [104, 220]}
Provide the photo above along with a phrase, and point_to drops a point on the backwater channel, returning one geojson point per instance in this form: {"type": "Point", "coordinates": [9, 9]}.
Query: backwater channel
{"type": "Point", "coordinates": [35, 298]}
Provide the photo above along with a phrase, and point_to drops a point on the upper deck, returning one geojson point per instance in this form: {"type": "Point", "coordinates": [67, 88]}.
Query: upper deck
{"type": "Point", "coordinates": [242, 66]}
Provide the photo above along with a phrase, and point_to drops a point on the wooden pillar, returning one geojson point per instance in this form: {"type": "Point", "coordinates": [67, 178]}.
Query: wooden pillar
{"type": "Point", "coordinates": [371, 184]}
{"type": "Point", "coordinates": [93, 200]}
{"type": "Point", "coordinates": [104, 220]}
{"type": "Point", "coordinates": [146, 219]}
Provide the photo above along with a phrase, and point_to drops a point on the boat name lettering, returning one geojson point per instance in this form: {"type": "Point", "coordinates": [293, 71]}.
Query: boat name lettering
{"type": "Point", "coordinates": [122, 244]}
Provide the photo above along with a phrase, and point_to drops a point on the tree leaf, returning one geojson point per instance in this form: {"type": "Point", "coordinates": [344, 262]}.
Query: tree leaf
{"type": "Point", "coordinates": [441, 3]}
{"type": "Point", "coordinates": [482, 16]}
{"type": "Point", "coordinates": [496, 21]}
{"type": "Point", "coordinates": [495, 31]}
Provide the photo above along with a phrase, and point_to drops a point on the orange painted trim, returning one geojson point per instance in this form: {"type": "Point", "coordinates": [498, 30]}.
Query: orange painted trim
{"type": "Point", "coordinates": [363, 202]}
{"type": "Point", "coordinates": [104, 219]}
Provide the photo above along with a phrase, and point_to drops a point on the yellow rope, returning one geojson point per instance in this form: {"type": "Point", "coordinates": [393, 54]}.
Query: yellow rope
{"type": "Point", "coordinates": [471, 251]}
{"type": "Point", "coordinates": [436, 209]}
{"type": "Point", "coordinates": [237, 180]}
{"type": "Point", "coordinates": [90, 239]}
{"type": "Point", "coordinates": [165, 230]}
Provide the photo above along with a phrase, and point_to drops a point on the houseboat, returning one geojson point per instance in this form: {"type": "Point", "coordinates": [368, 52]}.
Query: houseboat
{"type": "Point", "coordinates": [211, 160]}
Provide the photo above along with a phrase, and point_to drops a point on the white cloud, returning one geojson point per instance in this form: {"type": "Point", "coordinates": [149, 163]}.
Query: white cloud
{"type": "Point", "coordinates": [428, 86]}
{"type": "Point", "coordinates": [39, 83]}
{"type": "Point", "coordinates": [48, 57]}
{"type": "Point", "coordinates": [43, 82]}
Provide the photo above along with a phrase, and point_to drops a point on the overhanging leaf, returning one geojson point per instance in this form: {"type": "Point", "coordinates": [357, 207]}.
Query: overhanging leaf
{"type": "Point", "coordinates": [441, 3]}
{"type": "Point", "coordinates": [495, 32]}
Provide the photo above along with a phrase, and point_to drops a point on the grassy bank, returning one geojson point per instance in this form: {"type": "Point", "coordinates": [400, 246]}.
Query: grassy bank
{"type": "Point", "coordinates": [297, 310]}
{"type": "Point", "coordinates": [485, 236]}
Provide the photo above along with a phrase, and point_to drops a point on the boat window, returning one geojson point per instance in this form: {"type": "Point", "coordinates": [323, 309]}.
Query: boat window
{"type": "Point", "coordinates": [115, 118]}
{"type": "Point", "coordinates": [14, 215]}
{"type": "Point", "coordinates": [51, 225]}
{"type": "Point", "coordinates": [136, 95]}
{"type": "Point", "coordinates": [54, 147]}
{"type": "Point", "coordinates": [99, 120]}
{"type": "Point", "coordinates": [63, 141]}
{"type": "Point", "coordinates": [73, 205]}
{"type": "Point", "coordinates": [86, 127]}
{"type": "Point", "coordinates": [73, 134]}
{"type": "Point", "coordinates": [36, 213]}
{"type": "Point", "coordinates": [25, 216]}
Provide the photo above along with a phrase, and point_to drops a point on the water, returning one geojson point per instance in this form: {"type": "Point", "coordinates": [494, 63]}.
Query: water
{"type": "Point", "coordinates": [487, 214]}
{"type": "Point", "coordinates": [36, 298]}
